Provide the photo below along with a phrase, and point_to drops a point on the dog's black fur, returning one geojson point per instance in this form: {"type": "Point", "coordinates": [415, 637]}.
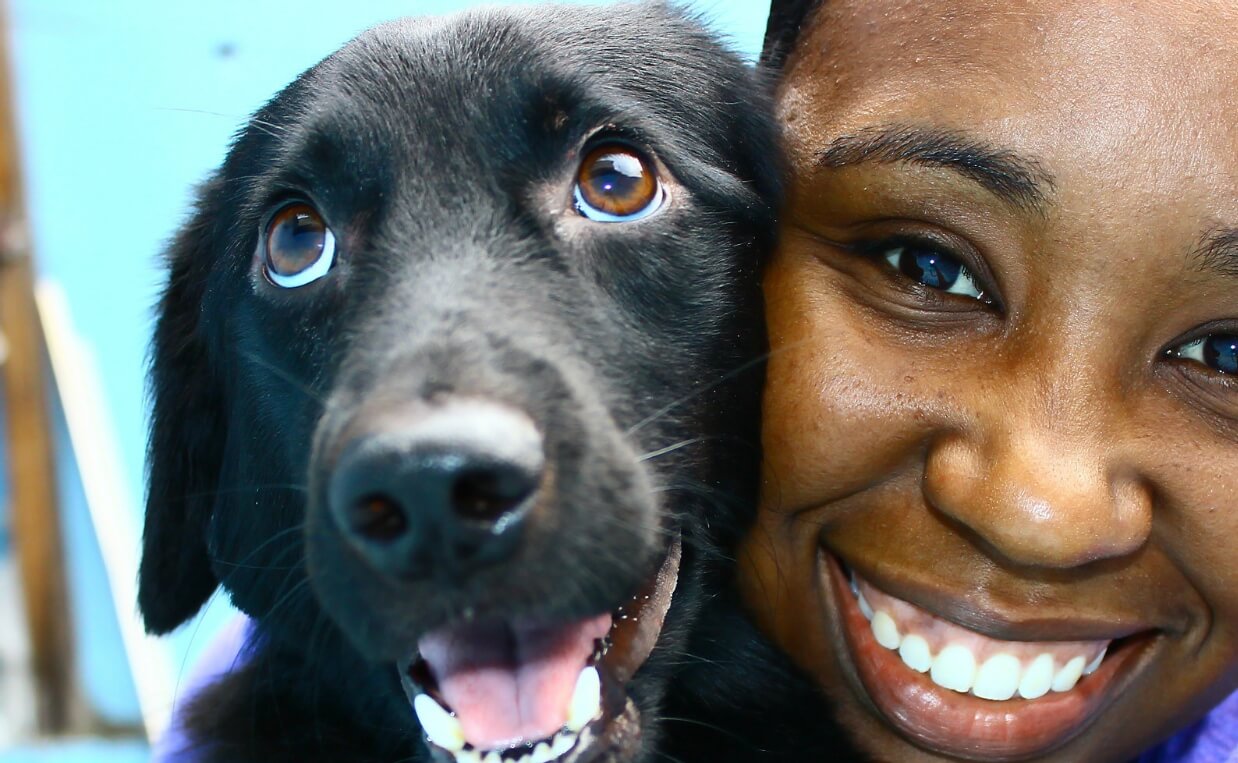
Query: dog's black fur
{"type": "Point", "coordinates": [442, 153]}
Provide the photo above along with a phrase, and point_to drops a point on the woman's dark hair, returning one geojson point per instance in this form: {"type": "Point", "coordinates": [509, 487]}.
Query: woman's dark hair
{"type": "Point", "coordinates": [782, 29]}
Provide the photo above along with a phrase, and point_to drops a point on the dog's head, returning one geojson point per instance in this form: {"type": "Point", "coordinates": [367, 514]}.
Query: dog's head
{"type": "Point", "coordinates": [459, 356]}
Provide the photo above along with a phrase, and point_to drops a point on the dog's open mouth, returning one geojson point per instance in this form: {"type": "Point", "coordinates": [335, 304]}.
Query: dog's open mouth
{"type": "Point", "coordinates": [529, 692]}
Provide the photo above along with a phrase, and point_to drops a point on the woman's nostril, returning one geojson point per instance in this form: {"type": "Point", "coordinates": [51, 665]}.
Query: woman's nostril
{"type": "Point", "coordinates": [488, 494]}
{"type": "Point", "coordinates": [379, 518]}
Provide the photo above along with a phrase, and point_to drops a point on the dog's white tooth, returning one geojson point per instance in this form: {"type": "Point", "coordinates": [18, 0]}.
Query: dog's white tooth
{"type": "Point", "coordinates": [468, 756]}
{"type": "Point", "coordinates": [586, 699]}
{"type": "Point", "coordinates": [440, 726]}
{"type": "Point", "coordinates": [542, 754]}
{"type": "Point", "coordinates": [562, 744]}
{"type": "Point", "coordinates": [492, 757]}
{"type": "Point", "coordinates": [525, 759]}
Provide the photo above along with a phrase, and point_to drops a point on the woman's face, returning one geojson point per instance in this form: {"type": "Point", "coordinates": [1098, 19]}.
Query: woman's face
{"type": "Point", "coordinates": [1003, 394]}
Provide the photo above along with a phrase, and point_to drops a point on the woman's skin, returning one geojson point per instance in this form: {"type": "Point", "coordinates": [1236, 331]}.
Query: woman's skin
{"type": "Point", "coordinates": [1054, 460]}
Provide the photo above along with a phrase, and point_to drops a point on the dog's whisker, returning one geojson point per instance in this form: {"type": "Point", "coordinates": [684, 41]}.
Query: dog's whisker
{"type": "Point", "coordinates": [728, 376]}
{"type": "Point", "coordinates": [297, 384]}
{"type": "Point", "coordinates": [670, 448]}
{"type": "Point", "coordinates": [269, 128]}
{"type": "Point", "coordinates": [724, 378]}
{"type": "Point", "coordinates": [225, 115]}
{"type": "Point", "coordinates": [702, 724]}
{"type": "Point", "coordinates": [244, 179]}
{"type": "Point", "coordinates": [243, 563]}
{"type": "Point", "coordinates": [730, 439]}
{"type": "Point", "coordinates": [180, 673]}
{"type": "Point", "coordinates": [667, 533]}
{"type": "Point", "coordinates": [248, 488]}
{"type": "Point", "coordinates": [297, 589]}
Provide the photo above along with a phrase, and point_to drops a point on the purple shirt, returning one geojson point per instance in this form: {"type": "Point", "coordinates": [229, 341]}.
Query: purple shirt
{"type": "Point", "coordinates": [1213, 739]}
{"type": "Point", "coordinates": [226, 650]}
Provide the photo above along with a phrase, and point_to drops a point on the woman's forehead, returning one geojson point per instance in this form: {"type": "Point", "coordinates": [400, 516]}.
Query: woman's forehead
{"type": "Point", "coordinates": [1131, 95]}
{"type": "Point", "coordinates": [1024, 50]}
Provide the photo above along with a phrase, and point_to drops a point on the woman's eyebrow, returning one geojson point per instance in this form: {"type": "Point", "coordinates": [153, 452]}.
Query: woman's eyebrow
{"type": "Point", "coordinates": [1217, 252]}
{"type": "Point", "coordinates": [1020, 181]}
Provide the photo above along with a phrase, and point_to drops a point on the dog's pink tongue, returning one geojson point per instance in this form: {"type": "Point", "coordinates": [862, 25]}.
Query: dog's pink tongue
{"type": "Point", "coordinates": [510, 683]}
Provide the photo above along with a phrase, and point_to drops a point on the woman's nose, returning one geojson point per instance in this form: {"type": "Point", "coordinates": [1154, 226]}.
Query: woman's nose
{"type": "Point", "coordinates": [1040, 491]}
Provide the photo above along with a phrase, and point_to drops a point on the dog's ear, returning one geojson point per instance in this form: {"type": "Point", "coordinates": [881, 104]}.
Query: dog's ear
{"type": "Point", "coordinates": [187, 430]}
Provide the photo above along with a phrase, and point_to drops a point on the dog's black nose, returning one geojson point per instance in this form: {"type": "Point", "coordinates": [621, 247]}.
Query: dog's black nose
{"type": "Point", "coordinates": [440, 493]}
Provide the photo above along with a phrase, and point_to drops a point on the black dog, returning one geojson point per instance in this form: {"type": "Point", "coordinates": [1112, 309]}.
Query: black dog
{"type": "Point", "coordinates": [456, 381]}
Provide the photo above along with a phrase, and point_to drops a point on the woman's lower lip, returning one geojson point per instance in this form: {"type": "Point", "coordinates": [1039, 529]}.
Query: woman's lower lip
{"type": "Point", "coordinates": [961, 725]}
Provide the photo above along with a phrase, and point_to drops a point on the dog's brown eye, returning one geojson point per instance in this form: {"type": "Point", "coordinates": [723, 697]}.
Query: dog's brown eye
{"type": "Point", "coordinates": [615, 183]}
{"type": "Point", "coordinates": [299, 247]}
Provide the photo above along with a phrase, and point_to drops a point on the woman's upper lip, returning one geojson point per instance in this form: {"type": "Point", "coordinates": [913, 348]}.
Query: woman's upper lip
{"type": "Point", "coordinates": [1037, 618]}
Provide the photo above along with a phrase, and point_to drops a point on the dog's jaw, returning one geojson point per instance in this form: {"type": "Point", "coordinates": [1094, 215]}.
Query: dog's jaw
{"type": "Point", "coordinates": [600, 721]}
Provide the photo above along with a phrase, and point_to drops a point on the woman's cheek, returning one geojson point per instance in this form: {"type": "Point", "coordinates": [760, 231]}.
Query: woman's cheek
{"type": "Point", "coordinates": [844, 408]}
{"type": "Point", "coordinates": [1196, 519]}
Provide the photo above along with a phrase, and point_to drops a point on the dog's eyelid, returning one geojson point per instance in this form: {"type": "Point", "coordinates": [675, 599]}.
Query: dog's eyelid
{"type": "Point", "coordinates": [285, 194]}
{"type": "Point", "coordinates": [616, 133]}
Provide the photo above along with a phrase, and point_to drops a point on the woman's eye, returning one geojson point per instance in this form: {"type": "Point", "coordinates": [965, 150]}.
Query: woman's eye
{"type": "Point", "coordinates": [617, 184]}
{"type": "Point", "coordinates": [1216, 351]}
{"type": "Point", "coordinates": [298, 247]}
{"type": "Point", "coordinates": [935, 269]}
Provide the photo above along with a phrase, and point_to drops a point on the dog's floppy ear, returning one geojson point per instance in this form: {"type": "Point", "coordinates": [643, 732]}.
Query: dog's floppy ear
{"type": "Point", "coordinates": [187, 431]}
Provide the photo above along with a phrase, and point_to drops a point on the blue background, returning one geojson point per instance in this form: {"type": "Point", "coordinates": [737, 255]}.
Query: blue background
{"type": "Point", "coordinates": [123, 107]}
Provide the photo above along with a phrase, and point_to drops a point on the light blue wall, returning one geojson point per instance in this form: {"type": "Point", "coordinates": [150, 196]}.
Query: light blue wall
{"type": "Point", "coordinates": [124, 105]}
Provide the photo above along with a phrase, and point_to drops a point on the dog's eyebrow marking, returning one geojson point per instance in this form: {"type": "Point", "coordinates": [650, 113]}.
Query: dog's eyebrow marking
{"type": "Point", "coordinates": [1217, 252]}
{"type": "Point", "coordinates": [1020, 181]}
{"type": "Point", "coordinates": [558, 115]}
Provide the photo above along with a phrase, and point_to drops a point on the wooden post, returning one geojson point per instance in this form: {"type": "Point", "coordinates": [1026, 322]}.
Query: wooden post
{"type": "Point", "coordinates": [34, 506]}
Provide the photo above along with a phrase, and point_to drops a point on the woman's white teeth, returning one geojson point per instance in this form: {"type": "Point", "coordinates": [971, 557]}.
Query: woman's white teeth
{"type": "Point", "coordinates": [865, 609]}
{"type": "Point", "coordinates": [954, 668]}
{"type": "Point", "coordinates": [885, 631]}
{"type": "Point", "coordinates": [443, 729]}
{"type": "Point", "coordinates": [586, 699]}
{"type": "Point", "coordinates": [440, 727]}
{"type": "Point", "coordinates": [999, 677]}
{"type": "Point", "coordinates": [916, 654]}
{"type": "Point", "coordinates": [1037, 678]}
{"type": "Point", "coordinates": [1095, 663]}
{"type": "Point", "coordinates": [1068, 676]}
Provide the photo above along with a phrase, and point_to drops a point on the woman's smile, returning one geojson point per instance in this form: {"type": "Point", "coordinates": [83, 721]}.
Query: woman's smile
{"type": "Point", "coordinates": [1001, 415]}
{"type": "Point", "coordinates": [957, 689]}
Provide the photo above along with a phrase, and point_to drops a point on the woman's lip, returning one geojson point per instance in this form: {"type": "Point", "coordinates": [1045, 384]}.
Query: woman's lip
{"type": "Point", "coordinates": [960, 725]}
{"type": "Point", "coordinates": [1000, 620]}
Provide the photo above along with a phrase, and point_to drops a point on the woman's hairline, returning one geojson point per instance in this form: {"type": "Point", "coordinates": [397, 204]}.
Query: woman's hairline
{"type": "Point", "coordinates": [782, 29]}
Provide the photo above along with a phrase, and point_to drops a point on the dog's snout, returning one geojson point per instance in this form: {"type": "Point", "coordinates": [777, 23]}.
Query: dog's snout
{"type": "Point", "coordinates": [438, 492]}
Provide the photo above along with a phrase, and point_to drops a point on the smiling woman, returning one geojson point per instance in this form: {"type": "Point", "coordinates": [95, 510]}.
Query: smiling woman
{"type": "Point", "coordinates": [1002, 415]}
